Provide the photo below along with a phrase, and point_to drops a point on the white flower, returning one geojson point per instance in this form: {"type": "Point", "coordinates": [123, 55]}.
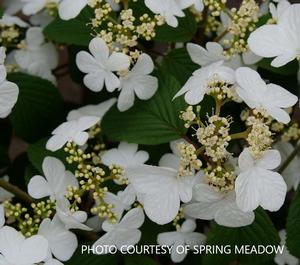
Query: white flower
{"type": "Point", "coordinates": [2, 216]}
{"type": "Point", "coordinates": [8, 91]}
{"type": "Point", "coordinates": [170, 9]}
{"type": "Point", "coordinates": [285, 258]}
{"type": "Point", "coordinates": [257, 185]}
{"type": "Point", "coordinates": [126, 232]}
{"type": "Point", "coordinates": [17, 250]}
{"type": "Point", "coordinates": [31, 7]}
{"type": "Point", "coordinates": [73, 130]}
{"type": "Point", "coordinates": [92, 110]}
{"type": "Point", "coordinates": [62, 243]}
{"type": "Point", "coordinates": [69, 9]}
{"type": "Point", "coordinates": [38, 57]}
{"type": "Point", "coordinates": [269, 97]}
{"type": "Point", "coordinates": [155, 184]}
{"type": "Point", "coordinates": [8, 20]}
{"type": "Point", "coordinates": [197, 85]}
{"type": "Point", "coordinates": [281, 40]}
{"type": "Point", "coordinates": [4, 194]}
{"type": "Point", "coordinates": [99, 66]}
{"type": "Point", "coordinates": [137, 81]}
{"type": "Point", "coordinates": [56, 183]}
{"type": "Point", "coordinates": [185, 236]}
{"type": "Point", "coordinates": [71, 219]}
{"type": "Point", "coordinates": [291, 174]}
{"type": "Point", "coordinates": [221, 207]}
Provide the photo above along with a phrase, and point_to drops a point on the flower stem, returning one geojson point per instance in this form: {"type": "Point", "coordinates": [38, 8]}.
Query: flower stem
{"type": "Point", "coordinates": [289, 159]}
{"type": "Point", "coordinates": [240, 135]}
{"type": "Point", "coordinates": [16, 191]}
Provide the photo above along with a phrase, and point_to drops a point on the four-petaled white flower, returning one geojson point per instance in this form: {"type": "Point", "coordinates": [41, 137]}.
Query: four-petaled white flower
{"type": "Point", "coordinates": [73, 130]}
{"type": "Point", "coordinates": [62, 243]}
{"type": "Point", "coordinates": [280, 40]}
{"type": "Point", "coordinates": [184, 236]}
{"type": "Point", "coordinates": [17, 250]}
{"type": "Point", "coordinates": [124, 233]}
{"type": "Point", "coordinates": [154, 184]}
{"type": "Point", "coordinates": [37, 57]}
{"type": "Point", "coordinates": [291, 174]}
{"type": "Point", "coordinates": [268, 97]}
{"type": "Point", "coordinates": [171, 9]}
{"type": "Point", "coordinates": [211, 205]}
{"type": "Point", "coordinates": [257, 185]}
{"type": "Point", "coordinates": [197, 85]}
{"type": "Point", "coordinates": [137, 81]}
{"type": "Point", "coordinates": [92, 110]}
{"type": "Point", "coordinates": [285, 258]}
{"type": "Point", "coordinates": [8, 91]}
{"type": "Point", "coordinates": [100, 65]}
{"type": "Point", "coordinates": [71, 219]}
{"type": "Point", "coordinates": [56, 183]}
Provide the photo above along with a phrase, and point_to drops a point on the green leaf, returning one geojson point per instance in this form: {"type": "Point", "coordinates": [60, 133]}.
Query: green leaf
{"type": "Point", "coordinates": [260, 232]}
{"type": "Point", "coordinates": [185, 31]}
{"type": "Point", "coordinates": [179, 64]}
{"type": "Point", "coordinates": [293, 226]}
{"type": "Point", "coordinates": [90, 259]}
{"type": "Point", "coordinates": [37, 152]}
{"type": "Point", "coordinates": [139, 260]}
{"type": "Point", "coordinates": [74, 31]}
{"type": "Point", "coordinates": [155, 121]}
{"type": "Point", "coordinates": [39, 108]}
{"type": "Point", "coordinates": [288, 69]}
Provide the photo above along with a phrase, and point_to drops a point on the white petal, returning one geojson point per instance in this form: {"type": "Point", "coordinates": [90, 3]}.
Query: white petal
{"type": "Point", "coordinates": [38, 187]}
{"type": "Point", "coordinates": [162, 207]}
{"type": "Point", "coordinates": [270, 160]}
{"type": "Point", "coordinates": [145, 86]}
{"type": "Point", "coordinates": [87, 63]}
{"type": "Point", "coordinates": [95, 81]}
{"type": "Point", "coordinates": [247, 190]}
{"type": "Point", "coordinates": [188, 225]}
{"type": "Point", "coordinates": [118, 61]}
{"type": "Point", "coordinates": [126, 99]}
{"type": "Point", "coordinates": [269, 41]}
{"type": "Point", "coordinates": [56, 142]}
{"type": "Point", "coordinates": [245, 160]}
{"type": "Point", "coordinates": [34, 250]}
{"type": "Point", "coordinates": [111, 81]}
{"type": "Point", "coordinates": [280, 97]}
{"type": "Point", "coordinates": [272, 186]}
{"type": "Point", "coordinates": [69, 9]}
{"type": "Point", "coordinates": [99, 49]}
{"type": "Point", "coordinates": [144, 65]}
{"type": "Point", "coordinates": [133, 219]}
{"type": "Point", "coordinates": [170, 160]}
{"type": "Point", "coordinates": [34, 37]}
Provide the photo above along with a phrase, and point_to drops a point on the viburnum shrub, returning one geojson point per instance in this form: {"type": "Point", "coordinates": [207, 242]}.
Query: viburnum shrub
{"type": "Point", "coordinates": [185, 132]}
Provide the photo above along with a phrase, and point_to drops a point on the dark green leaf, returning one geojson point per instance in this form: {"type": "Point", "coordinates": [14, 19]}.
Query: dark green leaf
{"type": "Point", "coordinates": [293, 226]}
{"type": "Point", "coordinates": [74, 31]}
{"type": "Point", "coordinates": [39, 107]}
{"type": "Point", "coordinates": [289, 69]}
{"type": "Point", "coordinates": [155, 121]}
{"type": "Point", "coordinates": [179, 64]}
{"type": "Point", "coordinates": [186, 29]}
{"type": "Point", "coordinates": [139, 260]}
{"type": "Point", "coordinates": [37, 152]}
{"type": "Point", "coordinates": [260, 232]}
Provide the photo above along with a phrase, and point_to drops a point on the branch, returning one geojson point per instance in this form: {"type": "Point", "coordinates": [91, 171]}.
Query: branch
{"type": "Point", "coordinates": [16, 191]}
